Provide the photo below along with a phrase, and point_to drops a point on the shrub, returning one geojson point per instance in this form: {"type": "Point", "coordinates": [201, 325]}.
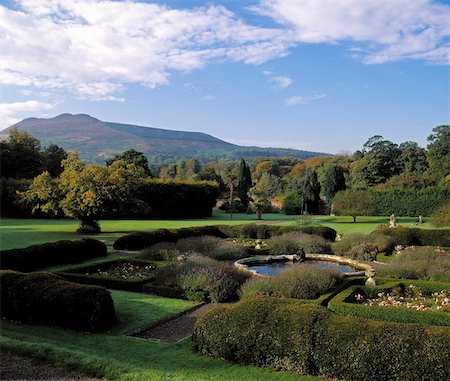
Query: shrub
{"type": "Point", "coordinates": [427, 263]}
{"type": "Point", "coordinates": [309, 339]}
{"type": "Point", "coordinates": [285, 244]}
{"type": "Point", "coordinates": [139, 241]}
{"type": "Point", "coordinates": [45, 298]}
{"type": "Point", "coordinates": [418, 237]}
{"type": "Point", "coordinates": [163, 251]}
{"type": "Point", "coordinates": [212, 247]}
{"type": "Point", "coordinates": [358, 245]}
{"type": "Point", "coordinates": [300, 283]}
{"type": "Point", "coordinates": [51, 254]}
{"type": "Point", "coordinates": [310, 243]}
{"type": "Point", "coordinates": [203, 279]}
{"type": "Point", "coordinates": [441, 216]}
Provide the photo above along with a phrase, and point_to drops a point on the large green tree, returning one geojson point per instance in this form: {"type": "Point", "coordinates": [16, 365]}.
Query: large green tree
{"type": "Point", "coordinates": [88, 192]}
{"type": "Point", "coordinates": [20, 156]}
{"type": "Point", "coordinates": [439, 151]}
{"type": "Point", "coordinates": [332, 180]}
{"type": "Point", "coordinates": [229, 172]}
{"type": "Point", "coordinates": [353, 203]}
{"type": "Point", "coordinates": [132, 156]}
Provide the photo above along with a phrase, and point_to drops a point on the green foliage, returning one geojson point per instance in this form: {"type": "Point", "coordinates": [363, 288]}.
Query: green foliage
{"type": "Point", "coordinates": [45, 298]}
{"type": "Point", "coordinates": [428, 263]}
{"type": "Point", "coordinates": [51, 254]}
{"type": "Point", "coordinates": [244, 182]}
{"type": "Point", "coordinates": [10, 202]}
{"type": "Point", "coordinates": [213, 247]}
{"type": "Point", "coordinates": [409, 202]}
{"type": "Point", "coordinates": [345, 303]}
{"type": "Point", "coordinates": [301, 283]}
{"type": "Point", "coordinates": [20, 155]}
{"type": "Point", "coordinates": [293, 203]}
{"type": "Point", "coordinates": [414, 236]}
{"type": "Point", "coordinates": [53, 158]}
{"type": "Point", "coordinates": [441, 216]}
{"type": "Point", "coordinates": [132, 156]}
{"type": "Point", "coordinates": [174, 199]}
{"type": "Point", "coordinates": [353, 203]}
{"type": "Point", "coordinates": [138, 241]}
{"type": "Point", "coordinates": [286, 244]}
{"type": "Point", "coordinates": [352, 244]}
{"type": "Point", "coordinates": [332, 180]}
{"type": "Point", "coordinates": [202, 279]}
{"type": "Point", "coordinates": [439, 151]}
{"type": "Point", "coordinates": [282, 334]}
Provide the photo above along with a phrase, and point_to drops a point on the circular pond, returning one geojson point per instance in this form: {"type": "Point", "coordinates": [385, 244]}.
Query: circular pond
{"type": "Point", "coordinates": [277, 267]}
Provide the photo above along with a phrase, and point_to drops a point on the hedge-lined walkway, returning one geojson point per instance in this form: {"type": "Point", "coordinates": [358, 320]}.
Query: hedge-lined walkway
{"type": "Point", "coordinates": [177, 328]}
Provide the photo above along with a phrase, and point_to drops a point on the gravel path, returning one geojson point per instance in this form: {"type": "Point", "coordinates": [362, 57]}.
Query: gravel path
{"type": "Point", "coordinates": [14, 367]}
{"type": "Point", "coordinates": [178, 328]}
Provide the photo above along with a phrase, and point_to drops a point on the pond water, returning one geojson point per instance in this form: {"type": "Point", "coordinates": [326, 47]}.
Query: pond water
{"type": "Point", "coordinates": [277, 267]}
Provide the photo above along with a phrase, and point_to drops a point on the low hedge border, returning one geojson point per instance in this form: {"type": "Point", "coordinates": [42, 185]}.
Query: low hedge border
{"type": "Point", "coordinates": [168, 292]}
{"type": "Point", "coordinates": [46, 298]}
{"type": "Point", "coordinates": [142, 240]}
{"type": "Point", "coordinates": [341, 304]}
{"type": "Point", "coordinates": [417, 237]}
{"type": "Point", "coordinates": [283, 334]}
{"type": "Point", "coordinates": [51, 254]}
{"type": "Point", "coordinates": [73, 274]}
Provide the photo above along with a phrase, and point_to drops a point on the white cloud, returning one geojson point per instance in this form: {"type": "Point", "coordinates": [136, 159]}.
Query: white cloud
{"type": "Point", "coordinates": [209, 97]}
{"type": "Point", "coordinates": [387, 30]}
{"type": "Point", "coordinates": [299, 100]}
{"type": "Point", "coordinates": [294, 101]}
{"type": "Point", "coordinates": [279, 81]}
{"type": "Point", "coordinates": [93, 48]}
{"type": "Point", "coordinates": [12, 113]}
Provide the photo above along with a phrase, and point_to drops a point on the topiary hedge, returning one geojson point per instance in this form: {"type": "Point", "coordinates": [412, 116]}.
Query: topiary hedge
{"type": "Point", "coordinates": [45, 298]}
{"type": "Point", "coordinates": [142, 240]}
{"type": "Point", "coordinates": [344, 303]}
{"type": "Point", "coordinates": [286, 335]}
{"type": "Point", "coordinates": [51, 254]}
{"type": "Point", "coordinates": [417, 237]}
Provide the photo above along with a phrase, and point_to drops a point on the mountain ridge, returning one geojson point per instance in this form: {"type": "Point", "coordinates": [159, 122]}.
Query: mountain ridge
{"type": "Point", "coordinates": [97, 140]}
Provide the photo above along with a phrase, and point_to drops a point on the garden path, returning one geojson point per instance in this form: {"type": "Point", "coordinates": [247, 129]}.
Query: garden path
{"type": "Point", "coordinates": [176, 328]}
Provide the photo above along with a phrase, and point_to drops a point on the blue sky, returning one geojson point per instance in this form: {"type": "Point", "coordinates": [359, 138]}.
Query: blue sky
{"type": "Point", "coordinates": [321, 75]}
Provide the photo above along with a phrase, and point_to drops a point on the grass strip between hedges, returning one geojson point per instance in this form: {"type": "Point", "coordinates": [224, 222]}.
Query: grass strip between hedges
{"type": "Point", "coordinates": [120, 357]}
{"type": "Point", "coordinates": [340, 304]}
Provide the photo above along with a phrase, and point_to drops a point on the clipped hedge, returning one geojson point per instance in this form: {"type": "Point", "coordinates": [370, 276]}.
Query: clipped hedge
{"type": "Point", "coordinates": [174, 199]}
{"type": "Point", "coordinates": [308, 339]}
{"type": "Point", "coordinates": [45, 298]}
{"type": "Point", "coordinates": [409, 202]}
{"type": "Point", "coordinates": [78, 274]}
{"type": "Point", "coordinates": [142, 240]}
{"type": "Point", "coordinates": [343, 303]}
{"type": "Point", "coordinates": [51, 254]}
{"type": "Point", "coordinates": [417, 237]}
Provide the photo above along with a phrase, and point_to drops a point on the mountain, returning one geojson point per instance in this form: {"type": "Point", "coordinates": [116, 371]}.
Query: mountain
{"type": "Point", "coordinates": [96, 141]}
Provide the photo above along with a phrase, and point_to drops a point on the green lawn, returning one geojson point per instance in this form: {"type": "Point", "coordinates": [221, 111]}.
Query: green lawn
{"type": "Point", "coordinates": [24, 232]}
{"type": "Point", "coordinates": [116, 356]}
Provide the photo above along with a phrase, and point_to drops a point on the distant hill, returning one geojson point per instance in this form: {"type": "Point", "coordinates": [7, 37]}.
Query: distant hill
{"type": "Point", "coordinates": [96, 141]}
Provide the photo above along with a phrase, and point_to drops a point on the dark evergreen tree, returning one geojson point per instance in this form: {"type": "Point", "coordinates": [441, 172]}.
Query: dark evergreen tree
{"type": "Point", "coordinates": [245, 182]}
{"type": "Point", "coordinates": [132, 156]}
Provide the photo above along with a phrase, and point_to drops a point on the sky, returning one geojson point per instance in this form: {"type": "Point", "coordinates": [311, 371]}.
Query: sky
{"type": "Point", "coordinates": [318, 75]}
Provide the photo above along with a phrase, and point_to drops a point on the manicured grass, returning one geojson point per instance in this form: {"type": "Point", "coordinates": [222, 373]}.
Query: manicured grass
{"type": "Point", "coordinates": [24, 232]}
{"type": "Point", "coordinates": [120, 357]}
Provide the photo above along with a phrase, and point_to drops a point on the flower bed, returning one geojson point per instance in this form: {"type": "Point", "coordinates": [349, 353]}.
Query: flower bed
{"type": "Point", "coordinates": [412, 297]}
{"type": "Point", "coordinates": [127, 275]}
{"type": "Point", "coordinates": [394, 300]}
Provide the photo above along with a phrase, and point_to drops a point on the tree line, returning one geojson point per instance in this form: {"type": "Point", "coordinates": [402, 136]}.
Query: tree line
{"type": "Point", "coordinates": [382, 175]}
